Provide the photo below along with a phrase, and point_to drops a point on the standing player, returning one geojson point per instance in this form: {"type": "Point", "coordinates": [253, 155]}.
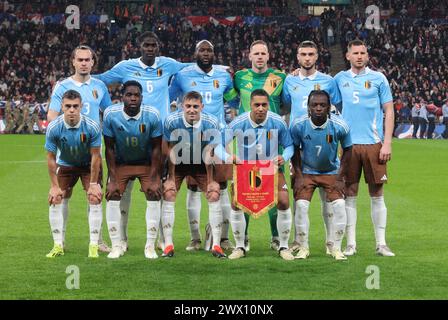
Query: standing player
{"type": "Point", "coordinates": [153, 72]}
{"type": "Point", "coordinates": [185, 134]}
{"type": "Point", "coordinates": [214, 84]}
{"type": "Point", "coordinates": [133, 137]}
{"type": "Point", "coordinates": [366, 96]}
{"type": "Point", "coordinates": [260, 76]}
{"type": "Point", "coordinates": [95, 98]}
{"type": "Point", "coordinates": [316, 138]}
{"type": "Point", "coordinates": [73, 144]}
{"type": "Point", "coordinates": [262, 130]}
{"type": "Point", "coordinates": [295, 93]}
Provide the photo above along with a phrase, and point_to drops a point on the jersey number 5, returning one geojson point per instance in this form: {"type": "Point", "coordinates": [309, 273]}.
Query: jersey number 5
{"type": "Point", "coordinates": [355, 97]}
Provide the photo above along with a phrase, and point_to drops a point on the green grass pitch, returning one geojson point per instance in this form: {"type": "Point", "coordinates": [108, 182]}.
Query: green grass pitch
{"type": "Point", "coordinates": [417, 233]}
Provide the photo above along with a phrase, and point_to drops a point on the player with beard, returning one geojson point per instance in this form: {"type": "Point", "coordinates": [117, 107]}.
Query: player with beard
{"type": "Point", "coordinates": [295, 93]}
{"type": "Point", "coordinates": [214, 83]}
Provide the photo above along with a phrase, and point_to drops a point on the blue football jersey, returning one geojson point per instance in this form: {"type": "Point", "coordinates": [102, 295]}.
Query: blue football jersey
{"type": "Point", "coordinates": [213, 87]}
{"type": "Point", "coordinates": [72, 144]}
{"type": "Point", "coordinates": [132, 134]}
{"type": "Point", "coordinates": [319, 145]}
{"type": "Point", "coordinates": [94, 94]}
{"type": "Point", "coordinates": [259, 141]}
{"type": "Point", "coordinates": [363, 96]}
{"type": "Point", "coordinates": [193, 138]}
{"type": "Point", "coordinates": [297, 88]}
{"type": "Point", "coordinates": [154, 79]}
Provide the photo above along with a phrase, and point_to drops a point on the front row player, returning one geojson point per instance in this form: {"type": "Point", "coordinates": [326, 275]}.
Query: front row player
{"type": "Point", "coordinates": [133, 137]}
{"type": "Point", "coordinates": [262, 130]}
{"type": "Point", "coordinates": [76, 140]}
{"type": "Point", "coordinates": [185, 135]}
{"type": "Point", "coordinates": [316, 164]}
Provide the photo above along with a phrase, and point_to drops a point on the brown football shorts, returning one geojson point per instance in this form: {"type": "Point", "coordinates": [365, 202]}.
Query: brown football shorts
{"type": "Point", "coordinates": [68, 177]}
{"type": "Point", "coordinates": [124, 173]}
{"type": "Point", "coordinates": [366, 157]}
{"type": "Point", "coordinates": [325, 181]}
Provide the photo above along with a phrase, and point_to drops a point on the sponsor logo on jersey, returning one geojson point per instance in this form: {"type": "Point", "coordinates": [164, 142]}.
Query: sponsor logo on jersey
{"type": "Point", "coordinates": [367, 84]}
{"type": "Point", "coordinates": [159, 72]}
{"type": "Point", "coordinates": [95, 94]}
{"type": "Point", "coordinates": [307, 137]}
{"type": "Point", "coordinates": [216, 83]}
{"type": "Point", "coordinates": [137, 74]}
{"type": "Point", "coordinates": [193, 84]}
{"type": "Point", "coordinates": [346, 85]}
{"type": "Point", "coordinates": [121, 128]}
{"type": "Point", "coordinates": [249, 85]}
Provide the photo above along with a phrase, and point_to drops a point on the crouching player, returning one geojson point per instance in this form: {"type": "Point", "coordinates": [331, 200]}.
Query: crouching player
{"type": "Point", "coordinates": [133, 138]}
{"type": "Point", "coordinates": [190, 136]}
{"type": "Point", "coordinates": [316, 164]}
{"type": "Point", "coordinates": [262, 131]}
{"type": "Point", "coordinates": [73, 143]}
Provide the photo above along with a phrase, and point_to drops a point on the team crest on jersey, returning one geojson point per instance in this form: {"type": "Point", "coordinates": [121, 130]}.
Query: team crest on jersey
{"type": "Point", "coordinates": [367, 84]}
{"type": "Point", "coordinates": [254, 178]}
{"type": "Point", "coordinates": [216, 83]}
{"type": "Point", "coordinates": [83, 137]}
{"type": "Point", "coordinates": [317, 87]}
{"type": "Point", "coordinates": [142, 128]}
{"type": "Point", "coordinates": [95, 94]}
{"type": "Point", "coordinates": [137, 74]}
{"type": "Point", "coordinates": [159, 72]}
{"type": "Point", "coordinates": [269, 135]}
{"type": "Point", "coordinates": [329, 138]}
{"type": "Point", "coordinates": [193, 84]}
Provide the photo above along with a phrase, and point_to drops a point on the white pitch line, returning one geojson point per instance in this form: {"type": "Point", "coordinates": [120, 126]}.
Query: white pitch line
{"type": "Point", "coordinates": [25, 161]}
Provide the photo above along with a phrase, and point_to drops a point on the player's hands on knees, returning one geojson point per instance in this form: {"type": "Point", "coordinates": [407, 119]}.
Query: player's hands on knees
{"type": "Point", "coordinates": [112, 190]}
{"type": "Point", "coordinates": [155, 189]}
{"type": "Point", "coordinates": [385, 153]}
{"type": "Point", "coordinates": [55, 195]}
{"type": "Point", "coordinates": [95, 194]}
{"type": "Point", "coordinates": [213, 191]}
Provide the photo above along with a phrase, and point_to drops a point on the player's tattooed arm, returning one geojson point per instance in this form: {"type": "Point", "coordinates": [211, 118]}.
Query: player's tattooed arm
{"type": "Point", "coordinates": [296, 164]}
{"type": "Point", "coordinates": [345, 159]}
{"type": "Point", "coordinates": [112, 186]}
{"type": "Point", "coordinates": [55, 194]}
{"type": "Point", "coordinates": [94, 193]}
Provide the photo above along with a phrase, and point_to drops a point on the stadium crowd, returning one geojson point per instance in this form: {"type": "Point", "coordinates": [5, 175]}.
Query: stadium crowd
{"type": "Point", "coordinates": [36, 55]}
